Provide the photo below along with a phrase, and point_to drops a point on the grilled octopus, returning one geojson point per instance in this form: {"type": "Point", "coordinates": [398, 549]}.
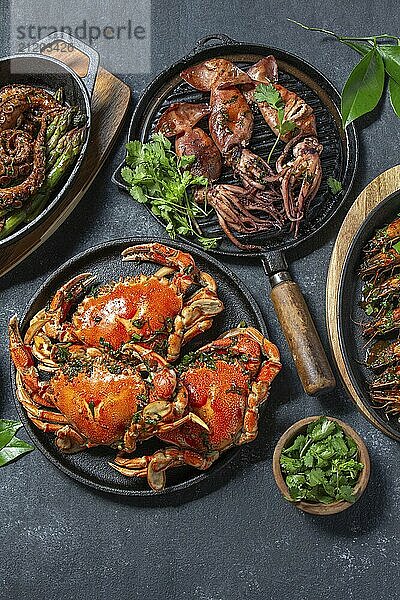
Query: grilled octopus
{"type": "Point", "coordinates": [22, 156]}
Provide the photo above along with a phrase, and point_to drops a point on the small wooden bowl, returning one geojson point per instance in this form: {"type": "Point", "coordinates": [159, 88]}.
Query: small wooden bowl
{"type": "Point", "coordinates": [318, 508]}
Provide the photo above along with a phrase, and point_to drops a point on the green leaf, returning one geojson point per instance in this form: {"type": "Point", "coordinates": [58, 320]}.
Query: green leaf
{"type": "Point", "coordinates": [334, 185]}
{"type": "Point", "coordinates": [316, 477]}
{"type": "Point", "coordinates": [14, 449]}
{"type": "Point", "coordinates": [397, 247]}
{"type": "Point", "coordinates": [290, 465]}
{"type": "Point", "coordinates": [391, 59]}
{"type": "Point", "coordinates": [345, 492]}
{"type": "Point", "coordinates": [364, 87]}
{"type": "Point", "coordinates": [360, 47]}
{"type": "Point", "coordinates": [7, 431]}
{"type": "Point", "coordinates": [322, 428]}
{"type": "Point", "coordinates": [394, 91]}
{"type": "Point", "coordinates": [287, 126]}
{"type": "Point", "coordinates": [297, 445]}
{"type": "Point", "coordinates": [267, 93]}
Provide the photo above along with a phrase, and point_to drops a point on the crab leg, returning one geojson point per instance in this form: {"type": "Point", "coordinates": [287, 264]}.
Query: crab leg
{"type": "Point", "coordinates": [22, 357]}
{"type": "Point", "coordinates": [154, 467]}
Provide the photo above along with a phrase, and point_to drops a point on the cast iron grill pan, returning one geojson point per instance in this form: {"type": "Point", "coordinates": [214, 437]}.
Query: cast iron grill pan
{"type": "Point", "coordinates": [261, 142]}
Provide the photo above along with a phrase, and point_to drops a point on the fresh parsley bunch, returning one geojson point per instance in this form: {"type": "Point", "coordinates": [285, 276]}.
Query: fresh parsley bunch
{"type": "Point", "coordinates": [322, 465]}
{"type": "Point", "coordinates": [158, 177]}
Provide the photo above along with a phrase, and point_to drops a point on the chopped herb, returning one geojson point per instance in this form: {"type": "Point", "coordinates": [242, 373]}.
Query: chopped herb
{"type": "Point", "coordinates": [334, 185]}
{"type": "Point", "coordinates": [397, 247]}
{"type": "Point", "coordinates": [138, 323]}
{"type": "Point", "coordinates": [91, 407]}
{"type": "Point", "coordinates": [322, 465]}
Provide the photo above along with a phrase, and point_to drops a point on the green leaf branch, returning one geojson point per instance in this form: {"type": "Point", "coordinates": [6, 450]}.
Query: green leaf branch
{"type": "Point", "coordinates": [11, 447]}
{"type": "Point", "coordinates": [364, 87]}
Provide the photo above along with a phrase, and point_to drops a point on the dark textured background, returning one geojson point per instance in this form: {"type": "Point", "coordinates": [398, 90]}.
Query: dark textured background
{"type": "Point", "coordinates": [235, 537]}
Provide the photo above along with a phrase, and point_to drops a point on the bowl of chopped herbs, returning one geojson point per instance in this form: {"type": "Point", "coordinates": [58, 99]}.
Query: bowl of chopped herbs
{"type": "Point", "coordinates": [321, 465]}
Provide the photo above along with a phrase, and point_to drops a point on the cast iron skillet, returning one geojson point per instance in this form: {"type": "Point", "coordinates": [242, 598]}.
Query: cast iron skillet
{"type": "Point", "coordinates": [44, 71]}
{"type": "Point", "coordinates": [339, 159]}
{"type": "Point", "coordinates": [91, 466]}
{"type": "Point", "coordinates": [350, 314]}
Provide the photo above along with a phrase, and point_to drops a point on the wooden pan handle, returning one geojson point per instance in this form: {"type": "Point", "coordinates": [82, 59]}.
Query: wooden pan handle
{"type": "Point", "coordinates": [308, 353]}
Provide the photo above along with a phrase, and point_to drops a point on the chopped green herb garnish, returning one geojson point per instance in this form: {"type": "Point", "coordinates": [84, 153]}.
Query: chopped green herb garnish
{"type": "Point", "coordinates": [334, 185]}
{"type": "Point", "coordinates": [322, 465]}
{"type": "Point", "coordinates": [397, 247]}
{"type": "Point", "coordinates": [158, 177]}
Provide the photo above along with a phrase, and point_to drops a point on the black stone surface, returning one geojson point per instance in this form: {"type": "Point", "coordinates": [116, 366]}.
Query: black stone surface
{"type": "Point", "coordinates": [235, 537]}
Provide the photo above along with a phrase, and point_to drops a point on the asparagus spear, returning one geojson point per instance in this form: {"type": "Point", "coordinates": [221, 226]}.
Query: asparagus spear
{"type": "Point", "coordinates": [60, 148]}
{"type": "Point", "coordinates": [53, 126]}
{"type": "Point", "coordinates": [37, 203]}
{"type": "Point", "coordinates": [62, 127]}
{"type": "Point", "coordinates": [59, 95]}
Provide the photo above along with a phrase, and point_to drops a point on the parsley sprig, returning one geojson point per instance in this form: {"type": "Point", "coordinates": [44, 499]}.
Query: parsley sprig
{"type": "Point", "coordinates": [322, 465]}
{"type": "Point", "coordinates": [158, 177]}
{"type": "Point", "coordinates": [267, 93]}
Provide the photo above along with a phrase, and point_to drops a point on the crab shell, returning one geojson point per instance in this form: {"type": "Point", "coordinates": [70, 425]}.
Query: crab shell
{"type": "Point", "coordinates": [141, 308]}
{"type": "Point", "coordinates": [226, 382]}
{"type": "Point", "coordinates": [156, 311]}
{"type": "Point", "coordinates": [219, 393]}
{"type": "Point", "coordinates": [99, 404]}
{"type": "Point", "coordinates": [94, 398]}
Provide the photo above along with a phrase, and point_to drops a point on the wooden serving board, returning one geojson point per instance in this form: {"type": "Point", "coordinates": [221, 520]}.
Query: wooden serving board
{"type": "Point", "coordinates": [385, 184]}
{"type": "Point", "coordinates": [110, 102]}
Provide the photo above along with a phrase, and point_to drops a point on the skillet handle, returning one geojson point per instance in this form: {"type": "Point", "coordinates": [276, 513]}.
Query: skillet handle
{"type": "Point", "coordinates": [93, 56]}
{"type": "Point", "coordinates": [305, 345]}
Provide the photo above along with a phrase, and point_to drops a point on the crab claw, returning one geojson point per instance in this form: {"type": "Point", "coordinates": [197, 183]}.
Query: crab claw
{"type": "Point", "coordinates": [163, 377]}
{"type": "Point", "coordinates": [163, 255]}
{"type": "Point", "coordinates": [62, 302]}
{"type": "Point", "coordinates": [22, 357]}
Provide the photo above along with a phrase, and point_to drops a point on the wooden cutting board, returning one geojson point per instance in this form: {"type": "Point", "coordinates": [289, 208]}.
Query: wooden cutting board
{"type": "Point", "coordinates": [110, 102]}
{"type": "Point", "coordinates": [376, 191]}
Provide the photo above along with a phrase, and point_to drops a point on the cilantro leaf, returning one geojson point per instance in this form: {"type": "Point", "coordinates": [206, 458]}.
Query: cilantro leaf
{"type": "Point", "coordinates": [267, 93]}
{"type": "Point", "coordinates": [334, 185]}
{"type": "Point", "coordinates": [270, 95]}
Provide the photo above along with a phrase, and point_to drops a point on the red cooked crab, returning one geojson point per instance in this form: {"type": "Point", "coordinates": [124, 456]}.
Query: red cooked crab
{"type": "Point", "coordinates": [153, 311]}
{"type": "Point", "coordinates": [97, 398]}
{"type": "Point", "coordinates": [226, 381]}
